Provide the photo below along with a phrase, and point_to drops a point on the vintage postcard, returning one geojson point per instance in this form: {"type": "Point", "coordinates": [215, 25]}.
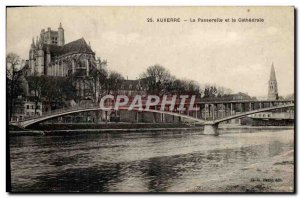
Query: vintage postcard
{"type": "Point", "coordinates": [150, 99]}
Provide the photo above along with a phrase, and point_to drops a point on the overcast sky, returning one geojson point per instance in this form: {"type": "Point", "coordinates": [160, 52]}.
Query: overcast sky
{"type": "Point", "coordinates": [234, 55]}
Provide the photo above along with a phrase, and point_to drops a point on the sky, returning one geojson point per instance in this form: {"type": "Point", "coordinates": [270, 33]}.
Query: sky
{"type": "Point", "coordinates": [236, 55]}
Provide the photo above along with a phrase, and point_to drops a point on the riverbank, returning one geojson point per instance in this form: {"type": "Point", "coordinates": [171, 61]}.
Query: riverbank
{"type": "Point", "coordinates": [109, 125]}
{"type": "Point", "coordinates": [68, 129]}
{"type": "Point", "coordinates": [276, 175]}
{"type": "Point", "coordinates": [62, 129]}
{"type": "Point", "coordinates": [238, 126]}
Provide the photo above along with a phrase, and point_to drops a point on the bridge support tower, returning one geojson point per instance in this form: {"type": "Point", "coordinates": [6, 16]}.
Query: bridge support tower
{"type": "Point", "coordinates": [211, 129]}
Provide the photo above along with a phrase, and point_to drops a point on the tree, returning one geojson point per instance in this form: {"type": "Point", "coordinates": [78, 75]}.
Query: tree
{"type": "Point", "coordinates": [206, 92]}
{"type": "Point", "coordinates": [223, 91]}
{"type": "Point", "coordinates": [211, 91]}
{"type": "Point", "coordinates": [57, 91]}
{"type": "Point", "coordinates": [183, 87]}
{"type": "Point", "coordinates": [36, 85]}
{"type": "Point", "coordinates": [50, 90]}
{"type": "Point", "coordinates": [13, 81]}
{"type": "Point", "coordinates": [193, 88]}
{"type": "Point", "coordinates": [157, 79]}
{"type": "Point", "coordinates": [114, 82]}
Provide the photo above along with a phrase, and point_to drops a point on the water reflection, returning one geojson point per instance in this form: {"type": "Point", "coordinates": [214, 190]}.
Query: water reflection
{"type": "Point", "coordinates": [124, 162]}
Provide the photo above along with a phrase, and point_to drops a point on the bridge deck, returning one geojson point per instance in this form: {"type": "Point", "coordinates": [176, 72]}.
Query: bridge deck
{"type": "Point", "coordinates": [78, 109]}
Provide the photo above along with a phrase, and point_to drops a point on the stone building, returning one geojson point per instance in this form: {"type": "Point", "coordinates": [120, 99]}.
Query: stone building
{"type": "Point", "coordinates": [132, 88]}
{"type": "Point", "coordinates": [25, 107]}
{"type": "Point", "coordinates": [49, 55]}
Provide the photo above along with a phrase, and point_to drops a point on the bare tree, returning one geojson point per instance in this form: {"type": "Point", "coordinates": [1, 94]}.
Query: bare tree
{"type": "Point", "coordinates": [13, 80]}
{"type": "Point", "coordinates": [114, 82]}
{"type": "Point", "coordinates": [212, 91]}
{"type": "Point", "coordinates": [157, 79]}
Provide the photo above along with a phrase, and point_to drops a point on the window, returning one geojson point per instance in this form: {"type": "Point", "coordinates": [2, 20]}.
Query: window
{"type": "Point", "coordinates": [32, 107]}
{"type": "Point", "coordinates": [27, 106]}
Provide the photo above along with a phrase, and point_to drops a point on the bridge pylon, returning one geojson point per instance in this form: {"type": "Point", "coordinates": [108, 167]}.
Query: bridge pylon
{"type": "Point", "coordinates": [211, 128]}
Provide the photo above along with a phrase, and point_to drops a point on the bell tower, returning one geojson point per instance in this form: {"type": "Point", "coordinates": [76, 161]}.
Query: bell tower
{"type": "Point", "coordinates": [273, 90]}
{"type": "Point", "coordinates": [32, 57]}
{"type": "Point", "coordinates": [61, 35]}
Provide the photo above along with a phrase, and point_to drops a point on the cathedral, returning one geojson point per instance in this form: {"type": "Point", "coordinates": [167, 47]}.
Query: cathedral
{"type": "Point", "coordinates": [49, 55]}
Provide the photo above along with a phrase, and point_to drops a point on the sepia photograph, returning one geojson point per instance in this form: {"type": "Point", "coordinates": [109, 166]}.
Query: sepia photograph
{"type": "Point", "coordinates": [151, 99]}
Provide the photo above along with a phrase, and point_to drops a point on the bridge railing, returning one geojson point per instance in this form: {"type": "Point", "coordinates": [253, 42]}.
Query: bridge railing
{"type": "Point", "coordinates": [62, 110]}
{"type": "Point", "coordinates": [87, 106]}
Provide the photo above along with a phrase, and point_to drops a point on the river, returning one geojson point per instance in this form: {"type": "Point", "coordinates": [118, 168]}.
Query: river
{"type": "Point", "coordinates": [163, 161]}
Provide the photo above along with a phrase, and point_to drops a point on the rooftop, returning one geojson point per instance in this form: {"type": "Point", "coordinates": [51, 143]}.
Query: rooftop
{"type": "Point", "coordinates": [77, 46]}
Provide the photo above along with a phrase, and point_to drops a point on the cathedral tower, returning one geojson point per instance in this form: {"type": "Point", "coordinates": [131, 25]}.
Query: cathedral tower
{"type": "Point", "coordinates": [273, 90]}
{"type": "Point", "coordinates": [40, 62]}
{"type": "Point", "coordinates": [32, 57]}
{"type": "Point", "coordinates": [61, 36]}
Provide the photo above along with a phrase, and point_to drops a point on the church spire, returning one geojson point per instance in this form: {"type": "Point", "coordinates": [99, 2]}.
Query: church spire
{"type": "Point", "coordinates": [273, 89]}
{"type": "Point", "coordinates": [32, 44]}
{"type": "Point", "coordinates": [37, 42]}
{"type": "Point", "coordinates": [272, 74]}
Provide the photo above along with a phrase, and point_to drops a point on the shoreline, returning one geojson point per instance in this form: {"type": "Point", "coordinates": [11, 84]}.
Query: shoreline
{"type": "Point", "coordinates": [30, 132]}
{"type": "Point", "coordinates": [276, 175]}
{"type": "Point", "coordinates": [84, 131]}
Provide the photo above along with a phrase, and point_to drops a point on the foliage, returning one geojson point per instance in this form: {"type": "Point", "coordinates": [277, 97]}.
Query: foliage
{"type": "Point", "coordinates": [184, 87]}
{"type": "Point", "coordinates": [211, 91]}
{"type": "Point", "coordinates": [51, 90]}
{"type": "Point", "coordinates": [158, 80]}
